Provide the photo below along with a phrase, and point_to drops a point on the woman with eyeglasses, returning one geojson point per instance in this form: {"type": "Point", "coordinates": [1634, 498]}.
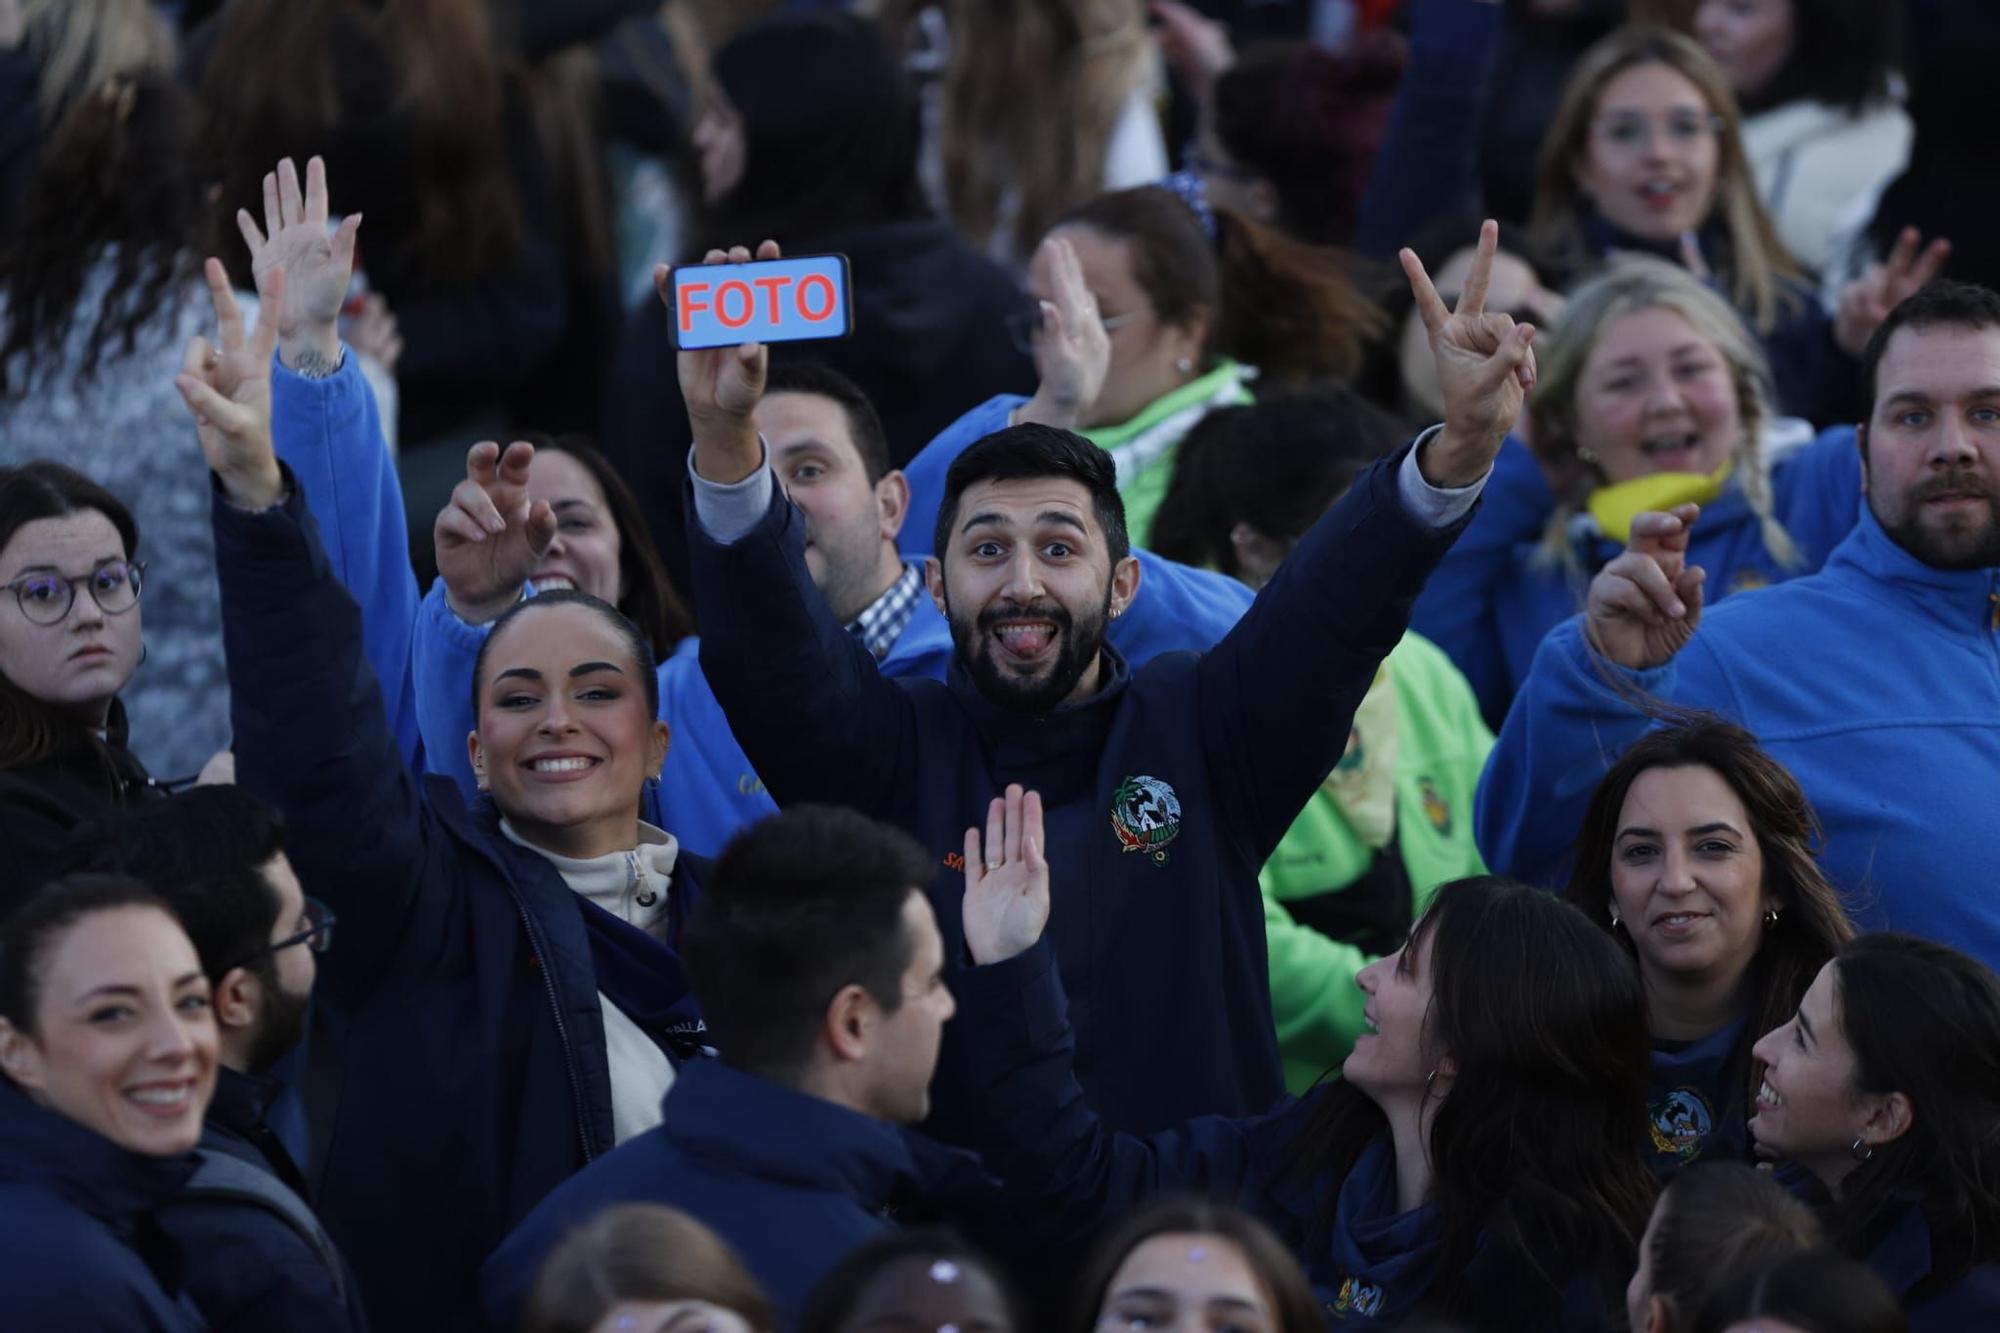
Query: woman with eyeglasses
{"type": "Point", "coordinates": [107, 1062]}
{"type": "Point", "coordinates": [69, 642]}
{"type": "Point", "coordinates": [1645, 156]}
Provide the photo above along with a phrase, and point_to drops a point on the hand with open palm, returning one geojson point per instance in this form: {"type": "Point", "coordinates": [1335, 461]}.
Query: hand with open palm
{"type": "Point", "coordinates": [1007, 885]}
{"type": "Point", "coordinates": [318, 264]}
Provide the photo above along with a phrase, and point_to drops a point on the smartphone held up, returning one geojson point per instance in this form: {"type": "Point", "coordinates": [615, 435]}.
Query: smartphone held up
{"type": "Point", "coordinates": [795, 299]}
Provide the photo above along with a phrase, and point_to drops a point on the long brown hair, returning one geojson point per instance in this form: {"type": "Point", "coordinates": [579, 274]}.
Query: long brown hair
{"type": "Point", "coordinates": [289, 76]}
{"type": "Point", "coordinates": [1811, 924]}
{"type": "Point", "coordinates": [1292, 1299]}
{"type": "Point", "coordinates": [639, 1252]}
{"type": "Point", "coordinates": [1283, 306]}
{"type": "Point", "coordinates": [1755, 261]}
{"type": "Point", "coordinates": [31, 731]}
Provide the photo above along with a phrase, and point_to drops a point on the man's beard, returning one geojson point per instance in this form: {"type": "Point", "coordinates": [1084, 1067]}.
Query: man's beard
{"type": "Point", "coordinates": [280, 1027]}
{"type": "Point", "coordinates": [1077, 646]}
{"type": "Point", "coordinates": [1964, 546]}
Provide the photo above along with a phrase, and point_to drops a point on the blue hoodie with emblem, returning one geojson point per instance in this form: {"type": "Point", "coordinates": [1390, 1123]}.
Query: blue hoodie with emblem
{"type": "Point", "coordinates": [1696, 1101]}
{"type": "Point", "coordinates": [1875, 681]}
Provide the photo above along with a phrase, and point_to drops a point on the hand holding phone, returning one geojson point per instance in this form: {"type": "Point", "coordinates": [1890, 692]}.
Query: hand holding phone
{"type": "Point", "coordinates": [796, 299]}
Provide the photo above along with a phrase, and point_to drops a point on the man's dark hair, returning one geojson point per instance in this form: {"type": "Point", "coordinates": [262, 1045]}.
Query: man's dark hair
{"type": "Point", "coordinates": [1033, 450]}
{"type": "Point", "coordinates": [799, 905]}
{"type": "Point", "coordinates": [1959, 304]}
{"type": "Point", "coordinates": [635, 638]}
{"type": "Point", "coordinates": [203, 852]}
{"type": "Point", "coordinates": [823, 381]}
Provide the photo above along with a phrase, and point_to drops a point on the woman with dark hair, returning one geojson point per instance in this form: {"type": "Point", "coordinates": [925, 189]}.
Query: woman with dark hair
{"type": "Point", "coordinates": [1391, 822]}
{"type": "Point", "coordinates": [69, 643]}
{"type": "Point", "coordinates": [810, 137]}
{"type": "Point", "coordinates": [1811, 1291]}
{"type": "Point", "coordinates": [923, 1280]}
{"type": "Point", "coordinates": [1823, 121]}
{"type": "Point", "coordinates": [1708, 1219]}
{"type": "Point", "coordinates": [1479, 1157]}
{"type": "Point", "coordinates": [107, 1062]}
{"type": "Point", "coordinates": [1189, 1262]}
{"type": "Point", "coordinates": [643, 1265]}
{"type": "Point", "coordinates": [1155, 308]}
{"type": "Point", "coordinates": [533, 932]}
{"type": "Point", "coordinates": [1696, 855]}
{"type": "Point", "coordinates": [1885, 1085]}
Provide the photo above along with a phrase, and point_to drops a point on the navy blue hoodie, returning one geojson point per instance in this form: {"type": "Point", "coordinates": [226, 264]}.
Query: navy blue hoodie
{"type": "Point", "coordinates": [459, 1060]}
{"type": "Point", "coordinates": [81, 1252]}
{"type": "Point", "coordinates": [1901, 1257]}
{"type": "Point", "coordinates": [1164, 793]}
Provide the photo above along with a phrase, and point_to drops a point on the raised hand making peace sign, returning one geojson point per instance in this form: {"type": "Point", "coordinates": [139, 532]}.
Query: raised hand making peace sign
{"type": "Point", "coordinates": [1644, 606]}
{"type": "Point", "coordinates": [227, 387]}
{"type": "Point", "coordinates": [1485, 367]}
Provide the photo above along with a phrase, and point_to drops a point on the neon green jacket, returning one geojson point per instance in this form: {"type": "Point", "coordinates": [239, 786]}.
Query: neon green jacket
{"type": "Point", "coordinates": [1145, 447]}
{"type": "Point", "coordinates": [1441, 747]}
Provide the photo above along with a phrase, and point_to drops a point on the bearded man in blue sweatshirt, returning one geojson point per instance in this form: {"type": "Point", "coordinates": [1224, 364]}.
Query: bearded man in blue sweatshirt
{"type": "Point", "coordinates": [1166, 787]}
{"type": "Point", "coordinates": [1875, 680]}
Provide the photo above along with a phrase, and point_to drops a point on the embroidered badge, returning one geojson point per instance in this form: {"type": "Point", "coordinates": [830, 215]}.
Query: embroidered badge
{"type": "Point", "coordinates": [1146, 816]}
{"type": "Point", "coordinates": [1749, 578]}
{"type": "Point", "coordinates": [1681, 1123]}
{"type": "Point", "coordinates": [1436, 808]}
{"type": "Point", "coordinates": [1357, 1297]}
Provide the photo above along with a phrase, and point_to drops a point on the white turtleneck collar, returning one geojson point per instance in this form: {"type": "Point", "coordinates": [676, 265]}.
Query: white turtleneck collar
{"type": "Point", "coordinates": [632, 885]}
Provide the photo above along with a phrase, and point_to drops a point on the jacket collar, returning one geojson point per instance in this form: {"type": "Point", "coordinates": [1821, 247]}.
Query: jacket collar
{"type": "Point", "coordinates": [1019, 740]}
{"type": "Point", "coordinates": [1959, 600]}
{"type": "Point", "coordinates": [49, 1150]}
{"type": "Point", "coordinates": [775, 1133]}
{"type": "Point", "coordinates": [242, 1101]}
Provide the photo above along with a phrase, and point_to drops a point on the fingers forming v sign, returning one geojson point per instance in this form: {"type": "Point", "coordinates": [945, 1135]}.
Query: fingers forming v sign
{"type": "Point", "coordinates": [1485, 364]}
{"type": "Point", "coordinates": [227, 387]}
{"type": "Point", "coordinates": [1644, 606]}
{"type": "Point", "coordinates": [490, 536]}
{"type": "Point", "coordinates": [318, 264]}
{"type": "Point", "coordinates": [1006, 883]}
{"type": "Point", "coordinates": [1868, 300]}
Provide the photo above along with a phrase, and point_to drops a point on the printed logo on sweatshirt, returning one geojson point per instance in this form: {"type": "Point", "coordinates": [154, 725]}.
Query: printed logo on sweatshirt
{"type": "Point", "coordinates": [1681, 1123]}
{"type": "Point", "coordinates": [1436, 808]}
{"type": "Point", "coordinates": [1146, 816]}
{"type": "Point", "coordinates": [1356, 1297]}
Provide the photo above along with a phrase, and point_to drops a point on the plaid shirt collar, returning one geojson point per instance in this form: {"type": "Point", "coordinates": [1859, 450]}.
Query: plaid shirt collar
{"type": "Point", "coordinates": [888, 616]}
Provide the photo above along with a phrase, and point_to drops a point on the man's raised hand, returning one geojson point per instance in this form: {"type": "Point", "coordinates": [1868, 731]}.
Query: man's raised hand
{"type": "Point", "coordinates": [1072, 349]}
{"type": "Point", "coordinates": [1644, 606]}
{"type": "Point", "coordinates": [491, 534]}
{"type": "Point", "coordinates": [227, 387]}
{"type": "Point", "coordinates": [722, 386]}
{"type": "Point", "coordinates": [318, 264]}
{"type": "Point", "coordinates": [1485, 367]}
{"type": "Point", "coordinates": [1006, 886]}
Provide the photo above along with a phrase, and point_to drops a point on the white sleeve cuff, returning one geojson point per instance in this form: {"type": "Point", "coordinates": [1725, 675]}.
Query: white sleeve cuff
{"type": "Point", "coordinates": [1435, 506]}
{"type": "Point", "coordinates": [727, 511]}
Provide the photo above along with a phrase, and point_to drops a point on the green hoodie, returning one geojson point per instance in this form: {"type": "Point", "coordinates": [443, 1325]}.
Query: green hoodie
{"type": "Point", "coordinates": [1145, 447]}
{"type": "Point", "coordinates": [1441, 747]}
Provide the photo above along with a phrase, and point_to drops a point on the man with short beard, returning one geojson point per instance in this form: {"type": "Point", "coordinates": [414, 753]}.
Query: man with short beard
{"type": "Point", "coordinates": [1166, 787]}
{"type": "Point", "coordinates": [1875, 680]}
{"type": "Point", "coordinates": [216, 856]}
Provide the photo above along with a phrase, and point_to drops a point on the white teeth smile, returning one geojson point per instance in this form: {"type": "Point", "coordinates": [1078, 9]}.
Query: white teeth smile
{"type": "Point", "coordinates": [561, 765]}
{"type": "Point", "coordinates": [1659, 189]}
{"type": "Point", "coordinates": [160, 1096]}
{"type": "Point", "coordinates": [553, 583]}
{"type": "Point", "coordinates": [1680, 918]}
{"type": "Point", "coordinates": [1767, 1097]}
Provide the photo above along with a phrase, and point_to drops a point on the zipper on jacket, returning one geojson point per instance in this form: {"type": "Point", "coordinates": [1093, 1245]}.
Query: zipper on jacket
{"type": "Point", "coordinates": [540, 947]}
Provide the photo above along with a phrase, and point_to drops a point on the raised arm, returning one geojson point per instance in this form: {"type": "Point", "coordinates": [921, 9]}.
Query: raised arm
{"type": "Point", "coordinates": [802, 695]}
{"type": "Point", "coordinates": [311, 734]}
{"type": "Point", "coordinates": [1278, 694]}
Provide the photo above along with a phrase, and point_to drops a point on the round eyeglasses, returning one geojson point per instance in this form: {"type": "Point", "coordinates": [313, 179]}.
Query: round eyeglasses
{"type": "Point", "coordinates": [45, 598]}
{"type": "Point", "coordinates": [317, 936]}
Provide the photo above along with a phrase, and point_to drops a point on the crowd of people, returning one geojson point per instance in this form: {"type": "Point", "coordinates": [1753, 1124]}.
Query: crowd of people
{"type": "Point", "coordinates": [1367, 694]}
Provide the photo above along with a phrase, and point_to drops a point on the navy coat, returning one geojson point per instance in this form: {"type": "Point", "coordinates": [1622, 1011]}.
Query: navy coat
{"type": "Point", "coordinates": [459, 1061]}
{"type": "Point", "coordinates": [82, 1253]}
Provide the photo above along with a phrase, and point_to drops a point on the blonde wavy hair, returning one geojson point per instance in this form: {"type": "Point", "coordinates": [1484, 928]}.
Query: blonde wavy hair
{"type": "Point", "coordinates": [1635, 285]}
{"type": "Point", "coordinates": [82, 45]}
{"type": "Point", "coordinates": [1757, 260]}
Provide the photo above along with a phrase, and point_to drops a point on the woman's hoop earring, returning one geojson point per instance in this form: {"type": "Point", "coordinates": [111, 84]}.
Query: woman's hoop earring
{"type": "Point", "coordinates": [1770, 917]}
{"type": "Point", "coordinates": [1862, 1150]}
{"type": "Point", "coordinates": [145, 651]}
{"type": "Point", "coordinates": [1429, 1079]}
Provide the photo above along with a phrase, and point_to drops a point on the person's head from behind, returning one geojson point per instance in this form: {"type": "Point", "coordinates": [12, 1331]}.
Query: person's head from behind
{"type": "Point", "coordinates": [1250, 481]}
{"type": "Point", "coordinates": [602, 545]}
{"type": "Point", "coordinates": [1508, 1030]}
{"type": "Point", "coordinates": [1930, 444]}
{"type": "Point", "coordinates": [913, 1282]}
{"type": "Point", "coordinates": [1886, 1086]}
{"type": "Point", "coordinates": [1841, 52]}
{"type": "Point", "coordinates": [1647, 371]}
{"type": "Point", "coordinates": [69, 607]}
{"type": "Point", "coordinates": [811, 127]}
{"type": "Point", "coordinates": [104, 1013]}
{"type": "Point", "coordinates": [1810, 1291]}
{"type": "Point", "coordinates": [566, 705]}
{"type": "Point", "coordinates": [830, 453]}
{"type": "Point", "coordinates": [1709, 1218]}
{"type": "Point", "coordinates": [1186, 1264]}
{"type": "Point", "coordinates": [1696, 854]}
{"type": "Point", "coordinates": [1289, 136]}
{"type": "Point", "coordinates": [644, 1268]}
{"type": "Point", "coordinates": [818, 963]}
{"type": "Point", "coordinates": [1032, 563]}
{"type": "Point", "coordinates": [216, 856]}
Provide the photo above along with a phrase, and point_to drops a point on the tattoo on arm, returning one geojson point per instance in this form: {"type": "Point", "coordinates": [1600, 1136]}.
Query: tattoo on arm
{"type": "Point", "coordinates": [314, 365]}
